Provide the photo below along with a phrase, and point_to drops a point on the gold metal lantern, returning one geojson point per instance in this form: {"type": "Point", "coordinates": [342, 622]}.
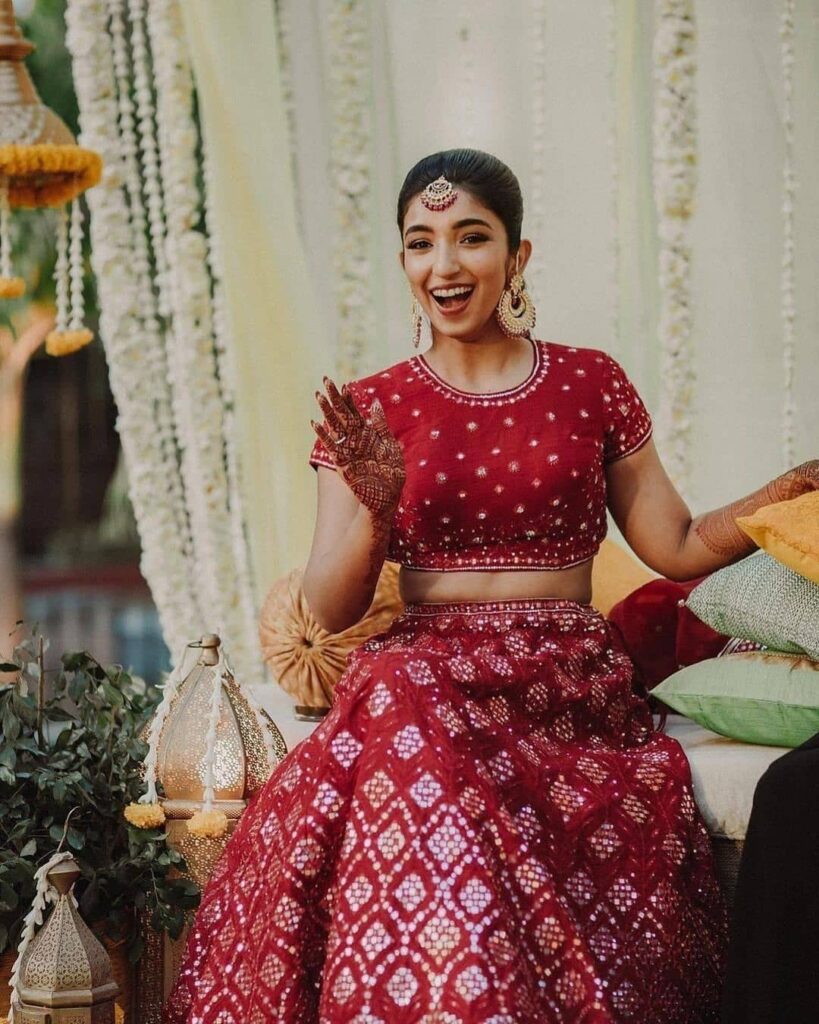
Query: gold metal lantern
{"type": "Point", "coordinates": [41, 165]}
{"type": "Point", "coordinates": [66, 975]}
{"type": "Point", "coordinates": [211, 748]}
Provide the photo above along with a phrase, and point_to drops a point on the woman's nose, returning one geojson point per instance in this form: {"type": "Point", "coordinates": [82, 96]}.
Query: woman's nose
{"type": "Point", "coordinates": [446, 260]}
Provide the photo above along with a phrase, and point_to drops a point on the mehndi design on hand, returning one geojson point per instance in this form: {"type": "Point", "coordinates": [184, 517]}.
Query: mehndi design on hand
{"type": "Point", "coordinates": [718, 530]}
{"type": "Point", "coordinates": [365, 452]}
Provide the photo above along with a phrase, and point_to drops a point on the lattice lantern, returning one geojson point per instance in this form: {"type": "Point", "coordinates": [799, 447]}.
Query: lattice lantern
{"type": "Point", "coordinates": [211, 747]}
{"type": "Point", "coordinates": [41, 165]}
{"type": "Point", "coordinates": [65, 975]}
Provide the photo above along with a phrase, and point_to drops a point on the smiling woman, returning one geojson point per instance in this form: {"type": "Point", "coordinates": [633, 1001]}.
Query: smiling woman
{"type": "Point", "coordinates": [486, 826]}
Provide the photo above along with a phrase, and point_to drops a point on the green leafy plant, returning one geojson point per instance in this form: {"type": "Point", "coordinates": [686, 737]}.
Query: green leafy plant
{"type": "Point", "coordinates": [70, 759]}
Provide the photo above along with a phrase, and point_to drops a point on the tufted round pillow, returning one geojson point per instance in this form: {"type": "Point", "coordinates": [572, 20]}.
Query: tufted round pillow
{"type": "Point", "coordinates": [305, 659]}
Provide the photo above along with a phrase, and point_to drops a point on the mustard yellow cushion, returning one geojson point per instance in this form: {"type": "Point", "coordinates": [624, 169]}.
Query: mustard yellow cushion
{"type": "Point", "coordinates": [789, 531]}
{"type": "Point", "coordinates": [615, 574]}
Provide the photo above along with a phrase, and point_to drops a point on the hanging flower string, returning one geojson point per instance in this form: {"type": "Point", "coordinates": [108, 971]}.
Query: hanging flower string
{"type": "Point", "coordinates": [788, 280]}
{"type": "Point", "coordinates": [44, 894]}
{"type": "Point", "coordinates": [675, 184]}
{"type": "Point", "coordinates": [70, 334]}
{"type": "Point", "coordinates": [148, 812]}
{"type": "Point", "coordinates": [11, 287]}
{"type": "Point", "coordinates": [210, 823]}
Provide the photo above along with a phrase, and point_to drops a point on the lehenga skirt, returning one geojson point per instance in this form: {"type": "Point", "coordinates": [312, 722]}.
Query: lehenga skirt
{"type": "Point", "coordinates": [485, 829]}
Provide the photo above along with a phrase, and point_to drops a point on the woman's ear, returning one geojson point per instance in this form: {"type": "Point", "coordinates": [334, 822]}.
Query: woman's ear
{"type": "Point", "coordinates": [401, 258]}
{"type": "Point", "coordinates": [525, 251]}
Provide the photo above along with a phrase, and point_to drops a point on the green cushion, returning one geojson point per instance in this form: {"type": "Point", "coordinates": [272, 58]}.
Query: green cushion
{"type": "Point", "coordinates": [761, 599]}
{"type": "Point", "coordinates": [758, 697]}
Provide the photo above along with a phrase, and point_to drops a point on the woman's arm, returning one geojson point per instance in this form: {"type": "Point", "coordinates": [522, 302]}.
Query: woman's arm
{"type": "Point", "coordinates": [659, 527]}
{"type": "Point", "coordinates": [356, 504]}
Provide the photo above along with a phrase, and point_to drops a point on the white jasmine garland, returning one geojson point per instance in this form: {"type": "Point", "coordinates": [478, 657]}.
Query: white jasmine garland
{"type": "Point", "coordinates": [134, 347]}
{"type": "Point", "coordinates": [149, 154]}
{"type": "Point", "coordinates": [169, 691]}
{"type": "Point", "coordinates": [350, 156]}
{"type": "Point", "coordinates": [75, 268]}
{"type": "Point", "coordinates": [788, 286]}
{"type": "Point", "coordinates": [535, 271]}
{"type": "Point", "coordinates": [61, 270]}
{"type": "Point", "coordinates": [614, 179]}
{"type": "Point", "coordinates": [244, 637]}
{"type": "Point", "coordinates": [285, 50]}
{"type": "Point", "coordinates": [675, 180]}
{"type": "Point", "coordinates": [190, 341]}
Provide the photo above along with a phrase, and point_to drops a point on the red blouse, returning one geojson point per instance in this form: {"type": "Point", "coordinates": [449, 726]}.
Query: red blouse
{"type": "Point", "coordinates": [509, 479]}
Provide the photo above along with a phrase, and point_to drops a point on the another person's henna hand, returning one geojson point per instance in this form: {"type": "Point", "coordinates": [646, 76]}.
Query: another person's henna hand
{"type": "Point", "coordinates": [718, 531]}
{"type": "Point", "coordinates": [365, 452]}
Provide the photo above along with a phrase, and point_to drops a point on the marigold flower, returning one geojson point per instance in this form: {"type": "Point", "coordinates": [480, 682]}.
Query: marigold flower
{"type": "Point", "coordinates": [145, 815]}
{"type": "Point", "coordinates": [208, 824]}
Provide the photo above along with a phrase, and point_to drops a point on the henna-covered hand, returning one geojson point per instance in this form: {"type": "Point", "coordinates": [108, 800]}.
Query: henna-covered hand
{"type": "Point", "coordinates": [365, 452]}
{"type": "Point", "coordinates": [718, 530]}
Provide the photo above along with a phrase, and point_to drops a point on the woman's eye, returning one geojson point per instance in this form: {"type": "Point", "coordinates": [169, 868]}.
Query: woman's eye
{"type": "Point", "coordinates": [474, 236]}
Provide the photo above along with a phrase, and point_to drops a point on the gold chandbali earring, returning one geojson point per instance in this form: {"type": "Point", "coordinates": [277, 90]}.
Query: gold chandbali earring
{"type": "Point", "coordinates": [515, 311]}
{"type": "Point", "coordinates": [417, 321]}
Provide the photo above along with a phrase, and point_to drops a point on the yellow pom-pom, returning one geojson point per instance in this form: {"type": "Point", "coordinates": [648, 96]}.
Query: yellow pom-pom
{"type": "Point", "coordinates": [12, 287]}
{"type": "Point", "coordinates": [145, 815]}
{"type": "Point", "coordinates": [63, 343]}
{"type": "Point", "coordinates": [208, 824]}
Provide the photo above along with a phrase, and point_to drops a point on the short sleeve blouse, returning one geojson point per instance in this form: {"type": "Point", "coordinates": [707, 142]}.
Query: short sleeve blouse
{"type": "Point", "coordinates": [511, 479]}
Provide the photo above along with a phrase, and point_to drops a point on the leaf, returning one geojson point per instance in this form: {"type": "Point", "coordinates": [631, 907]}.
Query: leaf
{"type": "Point", "coordinates": [76, 840]}
{"type": "Point", "coordinates": [29, 849]}
{"type": "Point", "coordinates": [10, 724]}
{"type": "Point", "coordinates": [7, 775]}
{"type": "Point", "coordinates": [8, 898]}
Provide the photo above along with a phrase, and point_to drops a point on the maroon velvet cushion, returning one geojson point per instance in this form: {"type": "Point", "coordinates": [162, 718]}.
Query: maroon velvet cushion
{"type": "Point", "coordinates": [660, 634]}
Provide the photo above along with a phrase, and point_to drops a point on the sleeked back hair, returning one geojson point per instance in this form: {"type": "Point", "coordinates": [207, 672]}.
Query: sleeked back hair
{"type": "Point", "coordinates": [489, 180]}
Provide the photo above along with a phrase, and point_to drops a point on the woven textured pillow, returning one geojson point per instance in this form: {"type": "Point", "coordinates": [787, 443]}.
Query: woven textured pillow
{"type": "Point", "coordinates": [305, 659]}
{"type": "Point", "coordinates": [761, 599]}
{"type": "Point", "coordinates": [788, 530]}
{"type": "Point", "coordinates": [766, 698]}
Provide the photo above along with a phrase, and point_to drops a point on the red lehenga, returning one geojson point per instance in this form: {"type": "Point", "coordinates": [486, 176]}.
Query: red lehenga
{"type": "Point", "coordinates": [486, 828]}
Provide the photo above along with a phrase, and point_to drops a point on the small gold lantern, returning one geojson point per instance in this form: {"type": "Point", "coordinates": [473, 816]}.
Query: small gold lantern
{"type": "Point", "coordinates": [212, 748]}
{"type": "Point", "coordinates": [41, 165]}
{"type": "Point", "coordinates": [65, 974]}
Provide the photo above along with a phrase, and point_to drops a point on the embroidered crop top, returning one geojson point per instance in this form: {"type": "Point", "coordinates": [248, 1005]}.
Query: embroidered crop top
{"type": "Point", "coordinates": [510, 479]}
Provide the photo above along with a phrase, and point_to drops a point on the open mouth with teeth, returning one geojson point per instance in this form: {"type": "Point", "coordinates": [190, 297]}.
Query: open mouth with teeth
{"type": "Point", "coordinates": [453, 298]}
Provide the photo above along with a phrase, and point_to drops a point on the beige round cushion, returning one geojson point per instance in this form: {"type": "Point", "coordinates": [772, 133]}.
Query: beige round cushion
{"type": "Point", "coordinates": [305, 659]}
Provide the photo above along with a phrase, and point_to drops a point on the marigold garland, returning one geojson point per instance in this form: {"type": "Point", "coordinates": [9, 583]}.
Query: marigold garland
{"type": "Point", "coordinates": [46, 174]}
{"type": "Point", "coordinates": [63, 343]}
{"type": "Point", "coordinates": [145, 815]}
{"type": "Point", "coordinates": [12, 287]}
{"type": "Point", "coordinates": [208, 824]}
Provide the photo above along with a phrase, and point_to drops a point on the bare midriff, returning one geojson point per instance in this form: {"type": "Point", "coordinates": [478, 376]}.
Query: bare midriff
{"type": "Point", "coordinates": [421, 587]}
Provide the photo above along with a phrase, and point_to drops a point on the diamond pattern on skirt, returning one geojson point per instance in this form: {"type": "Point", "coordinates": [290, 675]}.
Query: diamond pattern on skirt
{"type": "Point", "coordinates": [485, 829]}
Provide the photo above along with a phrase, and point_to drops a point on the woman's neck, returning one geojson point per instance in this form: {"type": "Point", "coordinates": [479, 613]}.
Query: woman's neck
{"type": "Point", "coordinates": [490, 363]}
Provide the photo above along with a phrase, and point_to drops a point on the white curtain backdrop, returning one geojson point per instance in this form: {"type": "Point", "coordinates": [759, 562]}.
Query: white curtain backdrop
{"type": "Point", "coordinates": [565, 94]}
{"type": "Point", "coordinates": [451, 74]}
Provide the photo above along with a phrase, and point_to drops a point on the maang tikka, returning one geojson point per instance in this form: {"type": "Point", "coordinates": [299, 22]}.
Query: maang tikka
{"type": "Point", "coordinates": [439, 194]}
{"type": "Point", "coordinates": [515, 311]}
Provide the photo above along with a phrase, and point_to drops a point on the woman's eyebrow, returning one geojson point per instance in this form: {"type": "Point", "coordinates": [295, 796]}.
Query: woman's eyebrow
{"type": "Point", "coordinates": [458, 224]}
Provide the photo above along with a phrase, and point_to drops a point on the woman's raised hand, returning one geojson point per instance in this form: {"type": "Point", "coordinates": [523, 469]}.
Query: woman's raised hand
{"type": "Point", "coordinates": [365, 452]}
